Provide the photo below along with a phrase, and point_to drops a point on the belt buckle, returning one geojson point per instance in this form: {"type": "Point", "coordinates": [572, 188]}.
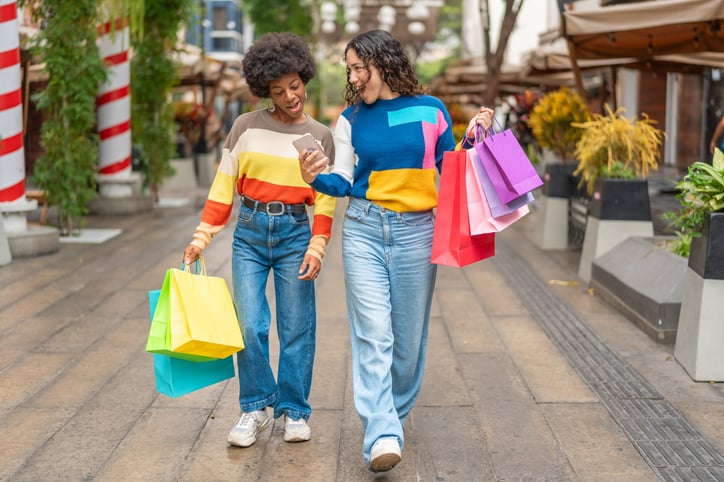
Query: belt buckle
{"type": "Point", "coordinates": [275, 208]}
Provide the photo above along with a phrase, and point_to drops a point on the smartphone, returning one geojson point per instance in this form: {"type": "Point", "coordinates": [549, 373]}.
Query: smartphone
{"type": "Point", "coordinates": [306, 142]}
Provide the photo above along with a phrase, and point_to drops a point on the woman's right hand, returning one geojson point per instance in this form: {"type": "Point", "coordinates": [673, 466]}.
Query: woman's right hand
{"type": "Point", "coordinates": [191, 254]}
{"type": "Point", "coordinates": [312, 163]}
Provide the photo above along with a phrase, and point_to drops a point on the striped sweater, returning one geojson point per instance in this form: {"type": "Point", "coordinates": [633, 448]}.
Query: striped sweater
{"type": "Point", "coordinates": [259, 160]}
{"type": "Point", "coordinates": [390, 152]}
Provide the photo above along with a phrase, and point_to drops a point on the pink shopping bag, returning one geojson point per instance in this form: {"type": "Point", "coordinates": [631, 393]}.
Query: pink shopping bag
{"type": "Point", "coordinates": [479, 214]}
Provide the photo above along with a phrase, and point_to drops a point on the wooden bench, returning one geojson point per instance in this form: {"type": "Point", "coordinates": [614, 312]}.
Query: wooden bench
{"type": "Point", "coordinates": [42, 198]}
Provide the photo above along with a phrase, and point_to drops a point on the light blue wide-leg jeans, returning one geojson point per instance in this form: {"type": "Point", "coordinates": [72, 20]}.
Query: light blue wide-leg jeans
{"type": "Point", "coordinates": [389, 282]}
{"type": "Point", "coordinates": [263, 243]}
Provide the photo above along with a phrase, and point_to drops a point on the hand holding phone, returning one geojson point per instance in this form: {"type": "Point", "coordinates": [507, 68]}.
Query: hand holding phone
{"type": "Point", "coordinates": [306, 143]}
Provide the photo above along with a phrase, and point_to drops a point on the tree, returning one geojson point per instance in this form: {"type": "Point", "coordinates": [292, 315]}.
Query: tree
{"type": "Point", "coordinates": [153, 75]}
{"type": "Point", "coordinates": [292, 16]}
{"type": "Point", "coordinates": [493, 59]}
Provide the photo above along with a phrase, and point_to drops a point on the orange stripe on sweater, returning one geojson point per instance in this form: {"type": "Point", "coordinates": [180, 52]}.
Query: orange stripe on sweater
{"type": "Point", "coordinates": [216, 213]}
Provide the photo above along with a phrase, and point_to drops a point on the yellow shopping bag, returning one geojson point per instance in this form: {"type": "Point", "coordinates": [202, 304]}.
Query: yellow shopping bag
{"type": "Point", "coordinates": [202, 318]}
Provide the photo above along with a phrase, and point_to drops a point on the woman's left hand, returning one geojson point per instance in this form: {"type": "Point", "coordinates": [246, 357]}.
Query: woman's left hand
{"type": "Point", "coordinates": [310, 268]}
{"type": "Point", "coordinates": [312, 163]}
{"type": "Point", "coordinates": [484, 118]}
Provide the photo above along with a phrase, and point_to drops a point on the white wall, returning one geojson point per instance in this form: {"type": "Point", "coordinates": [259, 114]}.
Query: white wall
{"type": "Point", "coordinates": [535, 17]}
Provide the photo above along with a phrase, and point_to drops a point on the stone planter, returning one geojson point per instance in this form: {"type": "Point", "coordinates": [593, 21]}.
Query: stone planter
{"type": "Point", "coordinates": [184, 177]}
{"type": "Point", "coordinates": [645, 281]}
{"type": "Point", "coordinates": [552, 226]}
{"type": "Point", "coordinates": [619, 208]}
{"type": "Point", "coordinates": [700, 334]}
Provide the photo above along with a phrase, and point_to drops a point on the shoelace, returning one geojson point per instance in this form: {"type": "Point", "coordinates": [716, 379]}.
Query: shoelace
{"type": "Point", "coordinates": [247, 417]}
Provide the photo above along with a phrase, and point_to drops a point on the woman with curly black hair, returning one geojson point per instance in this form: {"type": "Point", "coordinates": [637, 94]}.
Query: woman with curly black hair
{"type": "Point", "coordinates": [259, 163]}
{"type": "Point", "coordinates": [389, 148]}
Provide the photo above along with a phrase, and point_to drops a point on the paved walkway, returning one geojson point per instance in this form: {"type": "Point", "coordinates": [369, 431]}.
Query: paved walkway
{"type": "Point", "coordinates": [510, 391]}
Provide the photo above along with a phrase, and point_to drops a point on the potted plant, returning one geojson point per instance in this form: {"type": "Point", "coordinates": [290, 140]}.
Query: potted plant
{"type": "Point", "coordinates": [701, 194]}
{"type": "Point", "coordinates": [615, 154]}
{"type": "Point", "coordinates": [551, 122]}
{"type": "Point", "coordinates": [613, 146]}
{"type": "Point", "coordinates": [700, 228]}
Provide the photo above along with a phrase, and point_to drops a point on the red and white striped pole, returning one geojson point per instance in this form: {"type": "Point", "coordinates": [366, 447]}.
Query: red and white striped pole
{"type": "Point", "coordinates": [12, 153]}
{"type": "Point", "coordinates": [114, 108]}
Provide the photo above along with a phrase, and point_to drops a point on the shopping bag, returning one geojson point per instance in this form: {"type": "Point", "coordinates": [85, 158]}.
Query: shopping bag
{"type": "Point", "coordinates": [201, 316]}
{"type": "Point", "coordinates": [510, 171]}
{"type": "Point", "coordinates": [480, 218]}
{"type": "Point", "coordinates": [497, 207]}
{"type": "Point", "coordinates": [176, 377]}
{"type": "Point", "coordinates": [452, 243]}
{"type": "Point", "coordinates": [159, 336]}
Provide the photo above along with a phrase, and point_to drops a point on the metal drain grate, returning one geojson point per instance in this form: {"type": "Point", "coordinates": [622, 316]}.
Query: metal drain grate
{"type": "Point", "coordinates": [671, 446]}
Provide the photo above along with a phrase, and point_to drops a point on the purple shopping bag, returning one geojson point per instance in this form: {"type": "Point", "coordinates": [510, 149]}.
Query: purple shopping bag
{"type": "Point", "coordinates": [497, 207]}
{"type": "Point", "coordinates": [481, 219]}
{"type": "Point", "coordinates": [507, 165]}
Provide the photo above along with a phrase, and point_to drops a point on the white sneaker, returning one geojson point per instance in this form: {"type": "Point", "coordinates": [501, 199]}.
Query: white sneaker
{"type": "Point", "coordinates": [244, 432]}
{"type": "Point", "coordinates": [296, 430]}
{"type": "Point", "coordinates": [385, 454]}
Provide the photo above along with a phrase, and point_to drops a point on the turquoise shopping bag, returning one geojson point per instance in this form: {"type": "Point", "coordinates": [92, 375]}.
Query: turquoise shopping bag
{"type": "Point", "coordinates": [176, 377]}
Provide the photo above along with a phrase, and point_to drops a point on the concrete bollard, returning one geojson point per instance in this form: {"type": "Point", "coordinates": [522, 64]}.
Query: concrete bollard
{"type": "Point", "coordinates": [5, 256]}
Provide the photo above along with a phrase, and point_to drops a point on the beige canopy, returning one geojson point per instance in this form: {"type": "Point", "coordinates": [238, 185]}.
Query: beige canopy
{"type": "Point", "coordinates": [667, 32]}
{"type": "Point", "coordinates": [646, 30]}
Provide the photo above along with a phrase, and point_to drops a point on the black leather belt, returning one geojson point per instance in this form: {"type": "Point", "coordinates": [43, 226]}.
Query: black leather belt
{"type": "Point", "coordinates": [274, 208]}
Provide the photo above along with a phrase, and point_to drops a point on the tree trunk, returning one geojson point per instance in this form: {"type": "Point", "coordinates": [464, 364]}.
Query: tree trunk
{"type": "Point", "coordinates": [494, 59]}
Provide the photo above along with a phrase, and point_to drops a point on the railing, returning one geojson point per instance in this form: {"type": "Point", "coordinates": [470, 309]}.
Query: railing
{"type": "Point", "coordinates": [578, 204]}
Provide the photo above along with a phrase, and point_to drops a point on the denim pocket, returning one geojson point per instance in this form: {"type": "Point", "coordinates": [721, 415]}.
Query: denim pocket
{"type": "Point", "coordinates": [245, 214]}
{"type": "Point", "coordinates": [354, 212]}
{"type": "Point", "coordinates": [299, 218]}
{"type": "Point", "coordinates": [418, 218]}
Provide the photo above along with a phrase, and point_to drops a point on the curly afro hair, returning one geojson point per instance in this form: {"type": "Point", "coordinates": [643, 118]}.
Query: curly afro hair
{"type": "Point", "coordinates": [273, 56]}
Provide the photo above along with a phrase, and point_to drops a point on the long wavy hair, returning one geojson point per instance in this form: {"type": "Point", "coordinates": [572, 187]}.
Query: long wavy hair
{"type": "Point", "coordinates": [384, 51]}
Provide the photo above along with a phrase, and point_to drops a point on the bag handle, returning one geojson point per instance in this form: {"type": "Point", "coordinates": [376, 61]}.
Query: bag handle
{"type": "Point", "coordinates": [481, 133]}
{"type": "Point", "coordinates": [199, 268]}
{"type": "Point", "coordinates": [491, 131]}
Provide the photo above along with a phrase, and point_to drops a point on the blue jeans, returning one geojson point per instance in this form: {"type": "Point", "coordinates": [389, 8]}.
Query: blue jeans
{"type": "Point", "coordinates": [262, 243]}
{"type": "Point", "coordinates": [389, 284]}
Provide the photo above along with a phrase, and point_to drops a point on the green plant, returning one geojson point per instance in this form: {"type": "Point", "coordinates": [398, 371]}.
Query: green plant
{"type": "Point", "coordinates": [615, 146]}
{"type": "Point", "coordinates": [293, 16]}
{"type": "Point", "coordinates": [67, 44]}
{"type": "Point", "coordinates": [153, 75]}
{"type": "Point", "coordinates": [551, 120]}
{"type": "Point", "coordinates": [701, 192]}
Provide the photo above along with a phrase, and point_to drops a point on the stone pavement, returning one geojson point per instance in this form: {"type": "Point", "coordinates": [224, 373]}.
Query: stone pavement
{"type": "Point", "coordinates": [515, 387]}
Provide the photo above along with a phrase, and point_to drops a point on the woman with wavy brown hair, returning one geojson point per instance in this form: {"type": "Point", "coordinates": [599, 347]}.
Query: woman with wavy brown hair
{"type": "Point", "coordinates": [389, 148]}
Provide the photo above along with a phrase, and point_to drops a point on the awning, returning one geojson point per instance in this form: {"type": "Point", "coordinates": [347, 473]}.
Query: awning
{"type": "Point", "coordinates": [673, 32]}
{"type": "Point", "coordinates": [646, 30]}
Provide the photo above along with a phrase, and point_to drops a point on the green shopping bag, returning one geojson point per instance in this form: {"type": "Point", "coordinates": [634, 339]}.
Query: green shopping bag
{"type": "Point", "coordinates": [159, 336]}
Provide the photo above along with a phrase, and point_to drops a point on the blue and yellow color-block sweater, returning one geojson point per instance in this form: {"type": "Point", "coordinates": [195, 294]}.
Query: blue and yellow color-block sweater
{"type": "Point", "coordinates": [390, 152]}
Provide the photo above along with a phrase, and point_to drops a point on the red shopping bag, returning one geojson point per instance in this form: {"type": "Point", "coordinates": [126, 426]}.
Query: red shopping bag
{"type": "Point", "coordinates": [479, 213]}
{"type": "Point", "coordinates": [452, 243]}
